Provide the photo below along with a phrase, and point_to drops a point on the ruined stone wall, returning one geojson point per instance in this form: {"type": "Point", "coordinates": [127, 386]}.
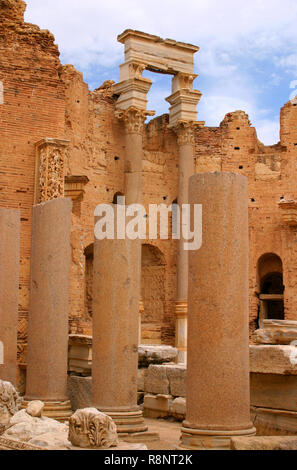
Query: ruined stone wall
{"type": "Point", "coordinates": [43, 99]}
{"type": "Point", "coordinates": [272, 175]}
{"type": "Point", "coordinates": [31, 107]}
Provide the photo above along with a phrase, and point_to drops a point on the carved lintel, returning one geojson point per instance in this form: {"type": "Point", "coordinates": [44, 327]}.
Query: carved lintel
{"type": "Point", "coordinates": [185, 131]}
{"type": "Point", "coordinates": [134, 119]}
{"type": "Point", "coordinates": [49, 171]}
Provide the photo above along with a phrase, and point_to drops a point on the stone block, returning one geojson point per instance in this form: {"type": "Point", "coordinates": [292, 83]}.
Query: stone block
{"type": "Point", "coordinates": [177, 375]}
{"type": "Point", "coordinates": [269, 422]}
{"type": "Point", "coordinates": [156, 406]}
{"type": "Point", "coordinates": [275, 359]}
{"type": "Point", "coordinates": [264, 443]}
{"type": "Point", "coordinates": [277, 332]}
{"type": "Point", "coordinates": [148, 355]}
{"type": "Point", "coordinates": [141, 379]}
{"type": "Point", "coordinates": [156, 380]}
{"type": "Point", "coordinates": [177, 408]}
{"type": "Point", "coordinates": [80, 392]}
{"type": "Point", "coordinates": [274, 391]}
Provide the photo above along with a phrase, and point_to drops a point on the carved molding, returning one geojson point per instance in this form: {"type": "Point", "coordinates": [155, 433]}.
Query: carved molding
{"type": "Point", "coordinates": [134, 119]}
{"type": "Point", "coordinates": [49, 171]}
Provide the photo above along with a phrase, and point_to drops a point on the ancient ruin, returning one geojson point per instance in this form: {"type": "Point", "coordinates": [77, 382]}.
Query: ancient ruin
{"type": "Point", "coordinates": [116, 333]}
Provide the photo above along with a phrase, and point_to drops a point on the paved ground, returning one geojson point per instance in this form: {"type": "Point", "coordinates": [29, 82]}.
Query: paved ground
{"type": "Point", "coordinates": [169, 432]}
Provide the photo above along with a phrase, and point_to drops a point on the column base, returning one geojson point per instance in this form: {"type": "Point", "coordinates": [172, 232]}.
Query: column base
{"type": "Point", "coordinates": [128, 422]}
{"type": "Point", "coordinates": [199, 439]}
{"type": "Point", "coordinates": [60, 411]}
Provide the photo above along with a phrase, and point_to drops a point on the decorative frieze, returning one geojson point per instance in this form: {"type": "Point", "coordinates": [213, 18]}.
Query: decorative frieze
{"type": "Point", "coordinates": [49, 171]}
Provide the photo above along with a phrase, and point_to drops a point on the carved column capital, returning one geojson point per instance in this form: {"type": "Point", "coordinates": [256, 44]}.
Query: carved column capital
{"type": "Point", "coordinates": [134, 119]}
{"type": "Point", "coordinates": [185, 131]}
{"type": "Point", "coordinates": [49, 172]}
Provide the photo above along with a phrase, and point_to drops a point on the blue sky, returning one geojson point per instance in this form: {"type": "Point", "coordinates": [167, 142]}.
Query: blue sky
{"type": "Point", "coordinates": [247, 58]}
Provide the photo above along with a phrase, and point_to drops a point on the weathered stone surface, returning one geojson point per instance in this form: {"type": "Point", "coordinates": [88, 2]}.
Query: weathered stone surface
{"type": "Point", "coordinates": [24, 427]}
{"type": "Point", "coordinates": [177, 376]}
{"type": "Point", "coordinates": [273, 359]}
{"type": "Point", "coordinates": [274, 391]}
{"type": "Point", "coordinates": [272, 422]}
{"type": "Point", "coordinates": [156, 380]}
{"type": "Point", "coordinates": [10, 402]}
{"type": "Point", "coordinates": [277, 332]}
{"type": "Point", "coordinates": [177, 408]}
{"type": "Point", "coordinates": [141, 380]}
{"type": "Point", "coordinates": [52, 440]}
{"type": "Point", "coordinates": [80, 354]}
{"type": "Point", "coordinates": [91, 428]}
{"type": "Point", "coordinates": [264, 443]}
{"type": "Point", "coordinates": [35, 408]}
{"type": "Point", "coordinates": [156, 406]}
{"type": "Point", "coordinates": [80, 392]}
{"type": "Point", "coordinates": [155, 355]}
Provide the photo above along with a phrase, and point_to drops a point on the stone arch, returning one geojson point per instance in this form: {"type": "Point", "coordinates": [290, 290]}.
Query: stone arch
{"type": "Point", "coordinates": [153, 293]}
{"type": "Point", "coordinates": [89, 257]}
{"type": "Point", "coordinates": [270, 287]}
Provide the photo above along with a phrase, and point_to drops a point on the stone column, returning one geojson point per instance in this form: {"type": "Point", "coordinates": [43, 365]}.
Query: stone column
{"type": "Point", "coordinates": [9, 290]}
{"type": "Point", "coordinates": [116, 301]}
{"type": "Point", "coordinates": [48, 313]}
{"type": "Point", "coordinates": [186, 140]}
{"type": "Point", "coordinates": [218, 392]}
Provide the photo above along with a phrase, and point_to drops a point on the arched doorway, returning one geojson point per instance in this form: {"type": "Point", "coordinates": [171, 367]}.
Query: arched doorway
{"type": "Point", "coordinates": [271, 288]}
{"type": "Point", "coordinates": [153, 294]}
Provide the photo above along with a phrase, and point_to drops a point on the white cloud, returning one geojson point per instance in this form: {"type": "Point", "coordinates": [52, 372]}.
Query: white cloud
{"type": "Point", "coordinates": [235, 37]}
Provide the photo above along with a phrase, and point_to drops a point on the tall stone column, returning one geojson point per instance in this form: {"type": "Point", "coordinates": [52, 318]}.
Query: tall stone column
{"type": "Point", "coordinates": [218, 392]}
{"type": "Point", "coordinates": [48, 313]}
{"type": "Point", "coordinates": [186, 139]}
{"type": "Point", "coordinates": [9, 290]}
{"type": "Point", "coordinates": [117, 277]}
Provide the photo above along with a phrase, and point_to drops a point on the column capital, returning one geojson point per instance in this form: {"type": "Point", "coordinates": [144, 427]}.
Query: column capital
{"type": "Point", "coordinates": [133, 118]}
{"type": "Point", "coordinates": [185, 131]}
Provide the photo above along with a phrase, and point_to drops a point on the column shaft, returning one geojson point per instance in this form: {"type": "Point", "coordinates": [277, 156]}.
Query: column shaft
{"type": "Point", "coordinates": [185, 132]}
{"type": "Point", "coordinates": [49, 298]}
{"type": "Point", "coordinates": [116, 302]}
{"type": "Point", "coordinates": [9, 289]}
{"type": "Point", "coordinates": [218, 394]}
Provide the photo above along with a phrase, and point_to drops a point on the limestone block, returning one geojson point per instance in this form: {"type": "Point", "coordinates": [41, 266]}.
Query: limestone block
{"type": "Point", "coordinates": [274, 391]}
{"type": "Point", "coordinates": [269, 422]}
{"type": "Point", "coordinates": [35, 408]}
{"type": "Point", "coordinates": [52, 440]}
{"type": "Point", "coordinates": [24, 427]}
{"type": "Point", "coordinates": [155, 355]}
{"type": "Point", "coordinates": [10, 402]}
{"type": "Point", "coordinates": [91, 428]}
{"type": "Point", "coordinates": [141, 379]}
{"type": "Point", "coordinates": [156, 380]}
{"type": "Point", "coordinates": [177, 408]}
{"type": "Point", "coordinates": [80, 392]}
{"type": "Point", "coordinates": [273, 359]}
{"type": "Point", "coordinates": [156, 406]}
{"type": "Point", "coordinates": [80, 354]}
{"type": "Point", "coordinates": [177, 375]}
{"type": "Point", "coordinates": [264, 443]}
{"type": "Point", "coordinates": [277, 332]}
